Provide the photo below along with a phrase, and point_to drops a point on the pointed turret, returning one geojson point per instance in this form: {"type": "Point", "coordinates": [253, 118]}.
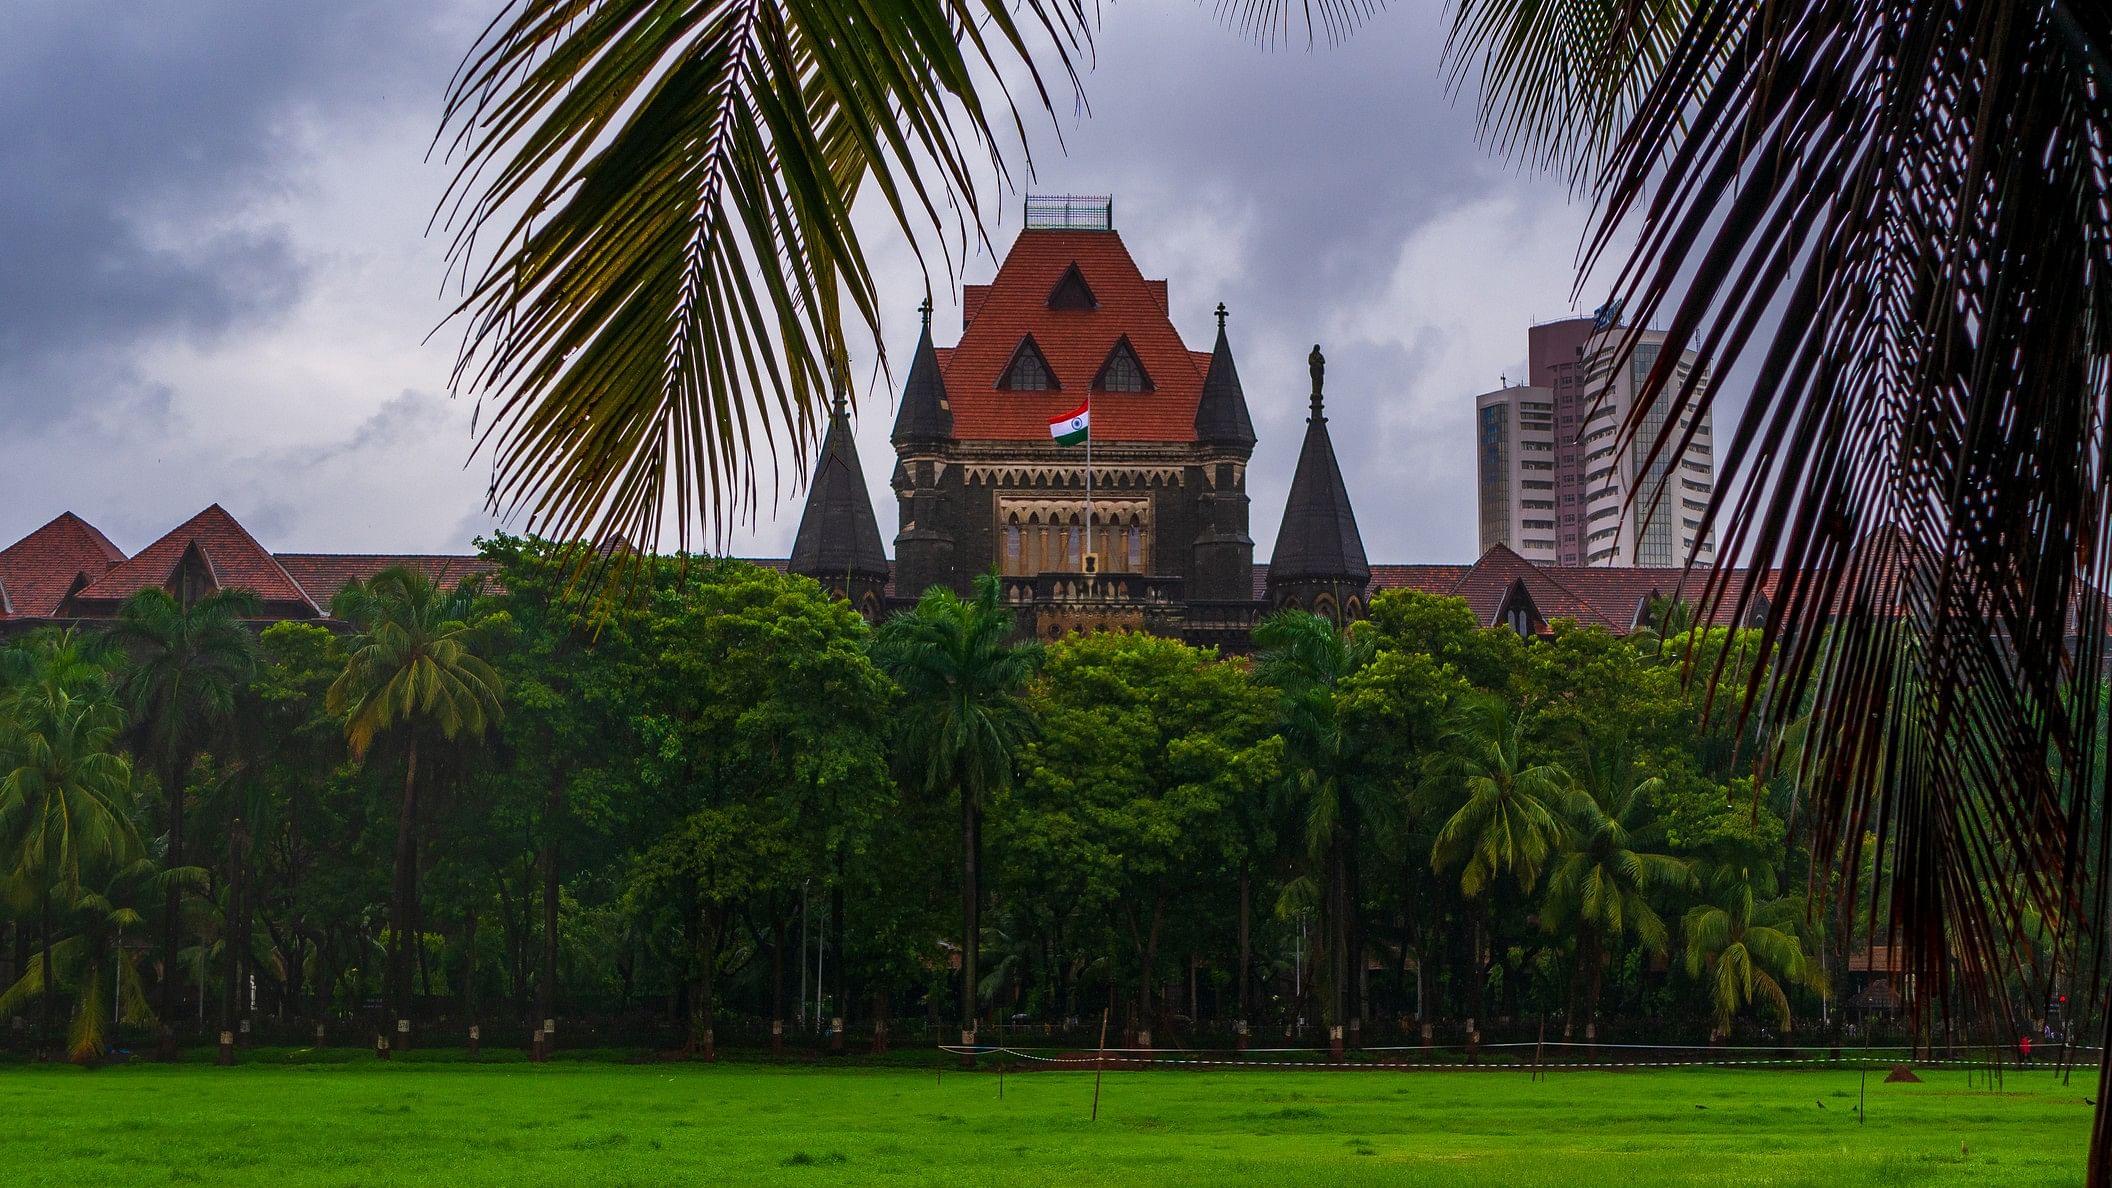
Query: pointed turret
{"type": "Point", "coordinates": [1319, 563]}
{"type": "Point", "coordinates": [1221, 417]}
{"type": "Point", "coordinates": [923, 434]}
{"type": "Point", "coordinates": [925, 414]}
{"type": "Point", "coordinates": [839, 540]}
{"type": "Point", "coordinates": [1221, 565]}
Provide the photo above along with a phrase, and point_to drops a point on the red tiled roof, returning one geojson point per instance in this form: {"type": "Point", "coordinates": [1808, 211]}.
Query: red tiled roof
{"type": "Point", "coordinates": [237, 562]}
{"type": "Point", "coordinates": [38, 570]}
{"type": "Point", "coordinates": [1075, 342]}
{"type": "Point", "coordinates": [322, 575]}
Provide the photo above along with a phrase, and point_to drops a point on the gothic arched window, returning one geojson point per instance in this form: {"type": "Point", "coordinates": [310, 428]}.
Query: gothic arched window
{"type": "Point", "coordinates": [1028, 371]}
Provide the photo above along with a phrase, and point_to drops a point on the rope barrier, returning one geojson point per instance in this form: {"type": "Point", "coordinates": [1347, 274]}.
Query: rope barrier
{"type": "Point", "coordinates": [1161, 1058]}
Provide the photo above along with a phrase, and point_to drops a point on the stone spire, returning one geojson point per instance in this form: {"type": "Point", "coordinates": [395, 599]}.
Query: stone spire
{"type": "Point", "coordinates": [925, 414]}
{"type": "Point", "coordinates": [1221, 416]}
{"type": "Point", "coordinates": [1319, 563]}
{"type": "Point", "coordinates": [839, 540]}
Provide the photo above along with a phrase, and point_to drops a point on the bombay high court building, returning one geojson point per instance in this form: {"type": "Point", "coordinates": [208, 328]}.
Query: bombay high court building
{"type": "Point", "coordinates": [1144, 528]}
{"type": "Point", "coordinates": [1147, 528]}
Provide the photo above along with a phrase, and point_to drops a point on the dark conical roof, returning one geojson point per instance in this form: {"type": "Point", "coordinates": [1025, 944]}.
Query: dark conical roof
{"type": "Point", "coordinates": [838, 536]}
{"type": "Point", "coordinates": [925, 414]}
{"type": "Point", "coordinates": [1319, 535]}
{"type": "Point", "coordinates": [1221, 417]}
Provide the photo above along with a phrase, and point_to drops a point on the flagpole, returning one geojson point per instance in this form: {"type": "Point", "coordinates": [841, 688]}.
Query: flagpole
{"type": "Point", "coordinates": [1088, 475]}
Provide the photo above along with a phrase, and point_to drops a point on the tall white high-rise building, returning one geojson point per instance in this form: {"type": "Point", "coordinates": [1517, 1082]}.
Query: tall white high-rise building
{"type": "Point", "coordinates": [1555, 483]}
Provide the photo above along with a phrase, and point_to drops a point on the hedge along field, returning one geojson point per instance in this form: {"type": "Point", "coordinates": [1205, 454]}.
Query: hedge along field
{"type": "Point", "coordinates": [576, 1122]}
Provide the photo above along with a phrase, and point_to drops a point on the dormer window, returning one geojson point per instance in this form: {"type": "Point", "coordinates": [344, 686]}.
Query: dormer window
{"type": "Point", "coordinates": [1123, 371]}
{"type": "Point", "coordinates": [1071, 292]}
{"type": "Point", "coordinates": [1028, 371]}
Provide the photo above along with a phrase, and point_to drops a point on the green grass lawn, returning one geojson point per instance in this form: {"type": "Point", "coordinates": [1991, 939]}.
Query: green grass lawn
{"type": "Point", "coordinates": [576, 1122]}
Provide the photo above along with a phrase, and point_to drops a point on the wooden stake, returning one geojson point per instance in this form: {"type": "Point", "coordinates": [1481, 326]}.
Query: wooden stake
{"type": "Point", "coordinates": [1100, 1065]}
{"type": "Point", "coordinates": [1539, 1073]}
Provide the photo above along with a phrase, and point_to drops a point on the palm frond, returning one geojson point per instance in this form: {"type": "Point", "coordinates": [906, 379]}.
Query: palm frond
{"type": "Point", "coordinates": [1899, 216]}
{"type": "Point", "coordinates": [651, 219]}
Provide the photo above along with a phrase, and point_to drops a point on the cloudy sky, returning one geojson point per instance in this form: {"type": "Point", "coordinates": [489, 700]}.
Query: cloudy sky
{"type": "Point", "coordinates": [216, 283]}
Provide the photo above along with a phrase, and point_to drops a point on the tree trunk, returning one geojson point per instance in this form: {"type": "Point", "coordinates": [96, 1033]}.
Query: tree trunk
{"type": "Point", "coordinates": [971, 905]}
{"type": "Point", "coordinates": [839, 981]}
{"type": "Point", "coordinates": [401, 915]}
{"type": "Point", "coordinates": [44, 1000]}
{"type": "Point", "coordinates": [707, 1004]}
{"type": "Point", "coordinates": [546, 981]}
{"type": "Point", "coordinates": [777, 989]}
{"type": "Point", "coordinates": [172, 909]}
{"type": "Point", "coordinates": [469, 980]}
{"type": "Point", "coordinates": [880, 1012]}
{"type": "Point", "coordinates": [1246, 948]}
{"type": "Point", "coordinates": [231, 943]}
{"type": "Point", "coordinates": [1148, 961]}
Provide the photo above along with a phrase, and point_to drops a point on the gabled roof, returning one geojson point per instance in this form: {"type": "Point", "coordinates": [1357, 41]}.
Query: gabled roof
{"type": "Point", "coordinates": [1319, 537]}
{"type": "Point", "coordinates": [1071, 291]}
{"type": "Point", "coordinates": [1120, 353]}
{"type": "Point", "coordinates": [1221, 417]}
{"type": "Point", "coordinates": [1075, 342]}
{"type": "Point", "coordinates": [37, 571]}
{"type": "Point", "coordinates": [235, 559]}
{"type": "Point", "coordinates": [838, 535]}
{"type": "Point", "coordinates": [1028, 351]}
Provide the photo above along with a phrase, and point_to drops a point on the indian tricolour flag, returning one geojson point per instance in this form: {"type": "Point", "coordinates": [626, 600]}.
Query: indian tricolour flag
{"type": "Point", "coordinates": [1071, 427]}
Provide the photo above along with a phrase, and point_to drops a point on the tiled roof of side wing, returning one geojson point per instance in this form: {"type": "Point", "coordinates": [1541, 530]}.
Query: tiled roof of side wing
{"type": "Point", "coordinates": [237, 560]}
{"type": "Point", "coordinates": [39, 569]}
{"type": "Point", "coordinates": [324, 574]}
{"type": "Point", "coordinates": [1075, 342]}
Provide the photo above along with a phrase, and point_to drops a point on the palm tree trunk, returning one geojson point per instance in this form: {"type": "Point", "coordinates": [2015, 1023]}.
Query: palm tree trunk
{"type": "Point", "coordinates": [400, 916]}
{"type": "Point", "coordinates": [171, 911]}
{"type": "Point", "coordinates": [469, 979]}
{"type": "Point", "coordinates": [50, 987]}
{"type": "Point", "coordinates": [546, 983]}
{"type": "Point", "coordinates": [971, 903]}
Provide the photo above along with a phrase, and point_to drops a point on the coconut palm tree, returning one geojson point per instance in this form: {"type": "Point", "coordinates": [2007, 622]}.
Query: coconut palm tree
{"type": "Point", "coordinates": [83, 954]}
{"type": "Point", "coordinates": [962, 721]}
{"type": "Point", "coordinates": [1305, 657]}
{"type": "Point", "coordinates": [412, 673]}
{"type": "Point", "coordinates": [65, 804]}
{"type": "Point", "coordinates": [1600, 888]}
{"type": "Point", "coordinates": [188, 663]}
{"type": "Point", "coordinates": [1507, 818]}
{"type": "Point", "coordinates": [1746, 945]}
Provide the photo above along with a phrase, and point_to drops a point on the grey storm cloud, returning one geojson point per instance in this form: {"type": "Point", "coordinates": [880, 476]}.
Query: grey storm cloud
{"type": "Point", "coordinates": [214, 280]}
{"type": "Point", "coordinates": [135, 137]}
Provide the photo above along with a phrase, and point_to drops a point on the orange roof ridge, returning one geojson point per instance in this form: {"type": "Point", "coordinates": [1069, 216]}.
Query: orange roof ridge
{"type": "Point", "coordinates": [1074, 342]}
{"type": "Point", "coordinates": [234, 557]}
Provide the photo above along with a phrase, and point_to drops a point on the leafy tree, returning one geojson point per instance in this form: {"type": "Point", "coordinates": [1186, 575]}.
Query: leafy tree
{"type": "Point", "coordinates": [188, 661]}
{"type": "Point", "coordinates": [1145, 747]}
{"type": "Point", "coordinates": [413, 670]}
{"type": "Point", "coordinates": [962, 722]}
{"type": "Point", "coordinates": [765, 750]}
